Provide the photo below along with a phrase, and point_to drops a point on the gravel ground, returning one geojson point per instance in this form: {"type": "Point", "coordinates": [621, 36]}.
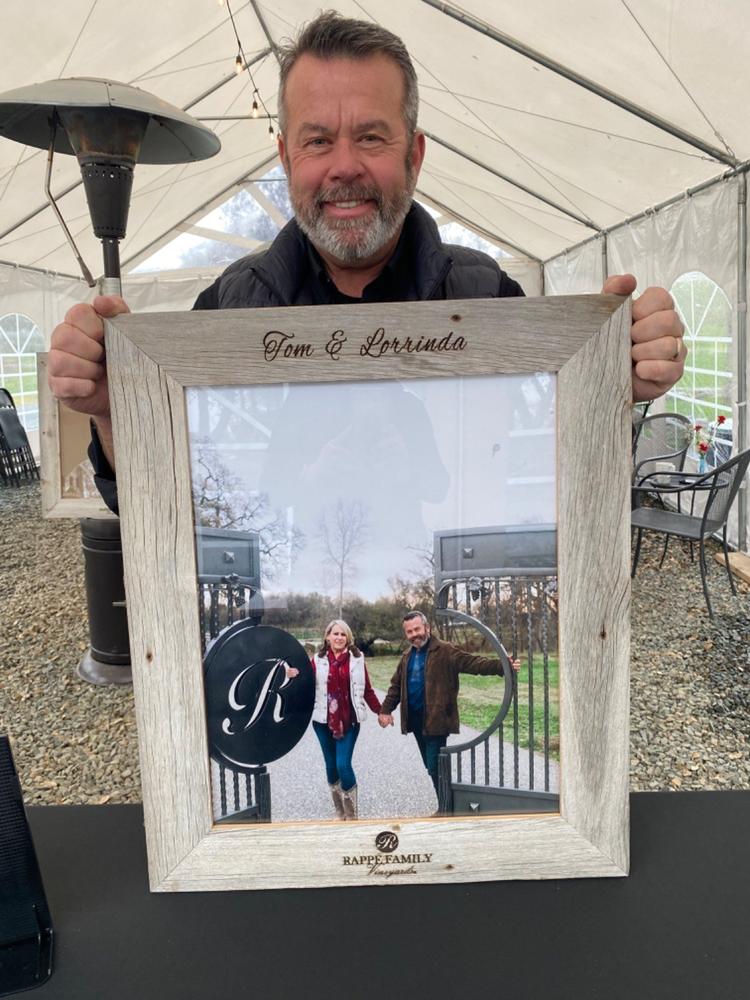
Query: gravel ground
{"type": "Point", "coordinates": [76, 743]}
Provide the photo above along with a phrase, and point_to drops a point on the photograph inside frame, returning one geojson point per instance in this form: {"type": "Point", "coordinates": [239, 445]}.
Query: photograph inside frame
{"type": "Point", "coordinates": [377, 594]}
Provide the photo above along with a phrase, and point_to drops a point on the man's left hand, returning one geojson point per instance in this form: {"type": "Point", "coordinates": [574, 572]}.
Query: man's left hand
{"type": "Point", "coordinates": [658, 349]}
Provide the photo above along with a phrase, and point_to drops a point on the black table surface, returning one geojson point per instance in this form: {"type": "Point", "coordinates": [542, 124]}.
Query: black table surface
{"type": "Point", "coordinates": [676, 928]}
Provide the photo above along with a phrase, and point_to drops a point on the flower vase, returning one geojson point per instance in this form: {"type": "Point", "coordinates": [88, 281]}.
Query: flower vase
{"type": "Point", "coordinates": [702, 465]}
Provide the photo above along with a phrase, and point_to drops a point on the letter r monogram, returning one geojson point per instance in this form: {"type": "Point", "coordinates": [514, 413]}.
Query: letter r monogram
{"type": "Point", "coordinates": [276, 679]}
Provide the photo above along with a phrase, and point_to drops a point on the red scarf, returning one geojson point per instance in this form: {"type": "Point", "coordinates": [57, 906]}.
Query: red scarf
{"type": "Point", "coordinates": [339, 696]}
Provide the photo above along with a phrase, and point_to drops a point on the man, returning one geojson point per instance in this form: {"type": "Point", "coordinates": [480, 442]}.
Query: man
{"type": "Point", "coordinates": [425, 684]}
{"type": "Point", "coordinates": [352, 153]}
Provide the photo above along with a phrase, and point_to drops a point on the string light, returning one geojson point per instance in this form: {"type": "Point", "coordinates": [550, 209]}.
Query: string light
{"type": "Point", "coordinates": [240, 64]}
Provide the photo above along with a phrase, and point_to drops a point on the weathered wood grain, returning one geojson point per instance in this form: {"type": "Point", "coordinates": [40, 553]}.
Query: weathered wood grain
{"type": "Point", "coordinates": [593, 469]}
{"type": "Point", "coordinates": [586, 340]}
{"type": "Point", "coordinates": [54, 504]}
{"type": "Point", "coordinates": [226, 348]}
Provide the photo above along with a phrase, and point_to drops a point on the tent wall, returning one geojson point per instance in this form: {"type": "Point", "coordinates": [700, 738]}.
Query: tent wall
{"type": "Point", "coordinates": [576, 272]}
{"type": "Point", "coordinates": [697, 233]}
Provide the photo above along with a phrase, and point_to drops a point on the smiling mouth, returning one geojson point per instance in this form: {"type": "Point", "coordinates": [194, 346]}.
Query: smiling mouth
{"type": "Point", "coordinates": [346, 204]}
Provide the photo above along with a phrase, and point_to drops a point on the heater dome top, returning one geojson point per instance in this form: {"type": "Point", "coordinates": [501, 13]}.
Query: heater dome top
{"type": "Point", "coordinates": [171, 135]}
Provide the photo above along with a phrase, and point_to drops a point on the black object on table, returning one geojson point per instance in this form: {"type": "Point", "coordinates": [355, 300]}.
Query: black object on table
{"type": "Point", "coordinates": [676, 929]}
{"type": "Point", "coordinates": [25, 924]}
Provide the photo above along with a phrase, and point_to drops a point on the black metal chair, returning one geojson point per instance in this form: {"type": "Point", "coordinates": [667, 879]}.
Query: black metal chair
{"type": "Point", "coordinates": [16, 457]}
{"type": "Point", "coordinates": [660, 437]}
{"type": "Point", "coordinates": [720, 486]}
{"type": "Point", "coordinates": [639, 411]}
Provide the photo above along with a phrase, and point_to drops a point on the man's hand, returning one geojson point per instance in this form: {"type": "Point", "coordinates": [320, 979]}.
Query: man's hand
{"type": "Point", "coordinates": [516, 664]}
{"type": "Point", "coordinates": [385, 720]}
{"type": "Point", "coordinates": [77, 370]}
{"type": "Point", "coordinates": [76, 364]}
{"type": "Point", "coordinates": [658, 349]}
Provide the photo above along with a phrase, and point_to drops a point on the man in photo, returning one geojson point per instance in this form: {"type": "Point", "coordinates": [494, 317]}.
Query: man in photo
{"type": "Point", "coordinates": [352, 152]}
{"type": "Point", "coordinates": [425, 685]}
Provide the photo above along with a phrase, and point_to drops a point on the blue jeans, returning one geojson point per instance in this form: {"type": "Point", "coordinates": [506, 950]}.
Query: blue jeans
{"type": "Point", "coordinates": [429, 746]}
{"type": "Point", "coordinates": [337, 754]}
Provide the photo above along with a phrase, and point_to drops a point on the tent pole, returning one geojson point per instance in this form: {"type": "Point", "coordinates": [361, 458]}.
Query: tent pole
{"type": "Point", "coordinates": [186, 107]}
{"type": "Point", "coordinates": [741, 438]}
{"type": "Point", "coordinates": [479, 230]}
{"type": "Point", "coordinates": [509, 180]}
{"type": "Point", "coordinates": [261, 21]}
{"type": "Point", "coordinates": [605, 257]}
{"type": "Point", "coordinates": [196, 213]}
{"type": "Point", "coordinates": [595, 88]}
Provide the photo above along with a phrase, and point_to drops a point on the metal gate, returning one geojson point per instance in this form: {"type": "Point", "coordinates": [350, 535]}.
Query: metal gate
{"type": "Point", "coordinates": [502, 583]}
{"type": "Point", "coordinates": [244, 796]}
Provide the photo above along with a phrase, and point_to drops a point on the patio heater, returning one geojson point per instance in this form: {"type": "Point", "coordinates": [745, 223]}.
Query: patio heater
{"type": "Point", "coordinates": [109, 127]}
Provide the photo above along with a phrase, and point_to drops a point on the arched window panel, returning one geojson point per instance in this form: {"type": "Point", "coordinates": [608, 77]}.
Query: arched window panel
{"type": "Point", "coordinates": [20, 340]}
{"type": "Point", "coordinates": [704, 393]}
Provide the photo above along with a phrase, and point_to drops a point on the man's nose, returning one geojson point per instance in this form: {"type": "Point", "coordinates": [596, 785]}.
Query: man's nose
{"type": "Point", "coordinates": [346, 163]}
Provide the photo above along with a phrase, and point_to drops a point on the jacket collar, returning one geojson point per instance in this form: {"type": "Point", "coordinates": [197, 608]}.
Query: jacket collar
{"type": "Point", "coordinates": [285, 265]}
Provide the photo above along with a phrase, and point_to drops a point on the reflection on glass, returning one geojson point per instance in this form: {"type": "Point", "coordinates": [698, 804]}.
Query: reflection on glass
{"type": "Point", "coordinates": [355, 503]}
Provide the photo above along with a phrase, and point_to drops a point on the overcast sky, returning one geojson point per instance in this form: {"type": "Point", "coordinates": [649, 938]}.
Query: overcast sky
{"type": "Point", "coordinates": [405, 458]}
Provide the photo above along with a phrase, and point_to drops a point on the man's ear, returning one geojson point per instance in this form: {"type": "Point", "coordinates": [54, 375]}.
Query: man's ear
{"type": "Point", "coordinates": [416, 153]}
{"type": "Point", "coordinates": [282, 154]}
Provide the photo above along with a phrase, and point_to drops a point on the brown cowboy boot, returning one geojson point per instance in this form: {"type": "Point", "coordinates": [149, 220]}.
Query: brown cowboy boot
{"type": "Point", "coordinates": [338, 802]}
{"type": "Point", "coordinates": [350, 802]}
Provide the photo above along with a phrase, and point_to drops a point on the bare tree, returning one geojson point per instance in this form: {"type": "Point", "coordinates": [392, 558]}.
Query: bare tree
{"type": "Point", "coordinates": [221, 501]}
{"type": "Point", "coordinates": [343, 532]}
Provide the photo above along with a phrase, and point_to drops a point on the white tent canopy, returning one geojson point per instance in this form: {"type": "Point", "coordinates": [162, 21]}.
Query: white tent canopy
{"type": "Point", "coordinates": [554, 130]}
{"type": "Point", "coordinates": [511, 140]}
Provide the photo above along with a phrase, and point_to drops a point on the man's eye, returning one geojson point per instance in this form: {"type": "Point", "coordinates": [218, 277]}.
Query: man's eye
{"type": "Point", "coordinates": [370, 139]}
{"type": "Point", "coordinates": [318, 140]}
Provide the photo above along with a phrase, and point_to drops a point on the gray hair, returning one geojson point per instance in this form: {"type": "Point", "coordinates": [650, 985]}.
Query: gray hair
{"type": "Point", "coordinates": [414, 614]}
{"type": "Point", "coordinates": [332, 36]}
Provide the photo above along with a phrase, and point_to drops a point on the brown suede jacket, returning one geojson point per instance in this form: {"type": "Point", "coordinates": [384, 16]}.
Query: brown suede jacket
{"type": "Point", "coordinates": [443, 665]}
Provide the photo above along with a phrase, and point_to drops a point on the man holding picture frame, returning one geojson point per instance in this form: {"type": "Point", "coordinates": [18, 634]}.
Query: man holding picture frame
{"type": "Point", "coordinates": [350, 145]}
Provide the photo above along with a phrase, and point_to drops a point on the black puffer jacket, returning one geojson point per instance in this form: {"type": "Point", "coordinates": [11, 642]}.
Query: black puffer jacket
{"type": "Point", "coordinates": [281, 274]}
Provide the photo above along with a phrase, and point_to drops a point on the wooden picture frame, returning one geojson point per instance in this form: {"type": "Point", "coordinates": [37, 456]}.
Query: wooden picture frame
{"type": "Point", "coordinates": [64, 439]}
{"type": "Point", "coordinates": [151, 360]}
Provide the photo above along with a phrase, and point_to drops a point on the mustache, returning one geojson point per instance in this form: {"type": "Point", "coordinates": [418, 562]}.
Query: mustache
{"type": "Point", "coordinates": [349, 192]}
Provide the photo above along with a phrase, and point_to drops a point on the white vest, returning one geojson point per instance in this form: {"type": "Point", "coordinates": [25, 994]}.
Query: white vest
{"type": "Point", "coordinates": [356, 686]}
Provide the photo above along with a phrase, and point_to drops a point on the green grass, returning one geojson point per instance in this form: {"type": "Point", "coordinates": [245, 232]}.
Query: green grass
{"type": "Point", "coordinates": [479, 699]}
{"type": "Point", "coordinates": [15, 384]}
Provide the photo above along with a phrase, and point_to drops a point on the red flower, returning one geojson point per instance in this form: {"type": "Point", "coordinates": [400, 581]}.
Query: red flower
{"type": "Point", "coordinates": [698, 427]}
{"type": "Point", "coordinates": [703, 447]}
{"type": "Point", "coordinates": [721, 419]}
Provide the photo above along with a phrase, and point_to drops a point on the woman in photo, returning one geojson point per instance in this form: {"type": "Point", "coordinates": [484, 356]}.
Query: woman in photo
{"type": "Point", "coordinates": [342, 695]}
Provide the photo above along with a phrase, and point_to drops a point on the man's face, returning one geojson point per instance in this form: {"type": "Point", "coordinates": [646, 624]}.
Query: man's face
{"type": "Point", "coordinates": [351, 164]}
{"type": "Point", "coordinates": [417, 632]}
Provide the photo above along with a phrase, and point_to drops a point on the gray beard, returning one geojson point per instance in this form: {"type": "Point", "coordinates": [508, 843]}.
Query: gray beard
{"type": "Point", "coordinates": [334, 236]}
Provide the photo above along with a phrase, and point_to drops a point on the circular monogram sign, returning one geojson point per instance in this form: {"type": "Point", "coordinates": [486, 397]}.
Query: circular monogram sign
{"type": "Point", "coordinates": [387, 841]}
{"type": "Point", "coordinates": [260, 690]}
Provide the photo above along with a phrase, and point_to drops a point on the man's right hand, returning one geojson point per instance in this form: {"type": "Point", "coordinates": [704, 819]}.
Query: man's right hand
{"type": "Point", "coordinates": [77, 371]}
{"type": "Point", "coordinates": [385, 720]}
{"type": "Point", "coordinates": [77, 367]}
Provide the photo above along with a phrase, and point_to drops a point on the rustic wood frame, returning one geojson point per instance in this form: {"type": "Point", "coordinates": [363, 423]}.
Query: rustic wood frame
{"type": "Point", "coordinates": [151, 359]}
{"type": "Point", "coordinates": [52, 418]}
